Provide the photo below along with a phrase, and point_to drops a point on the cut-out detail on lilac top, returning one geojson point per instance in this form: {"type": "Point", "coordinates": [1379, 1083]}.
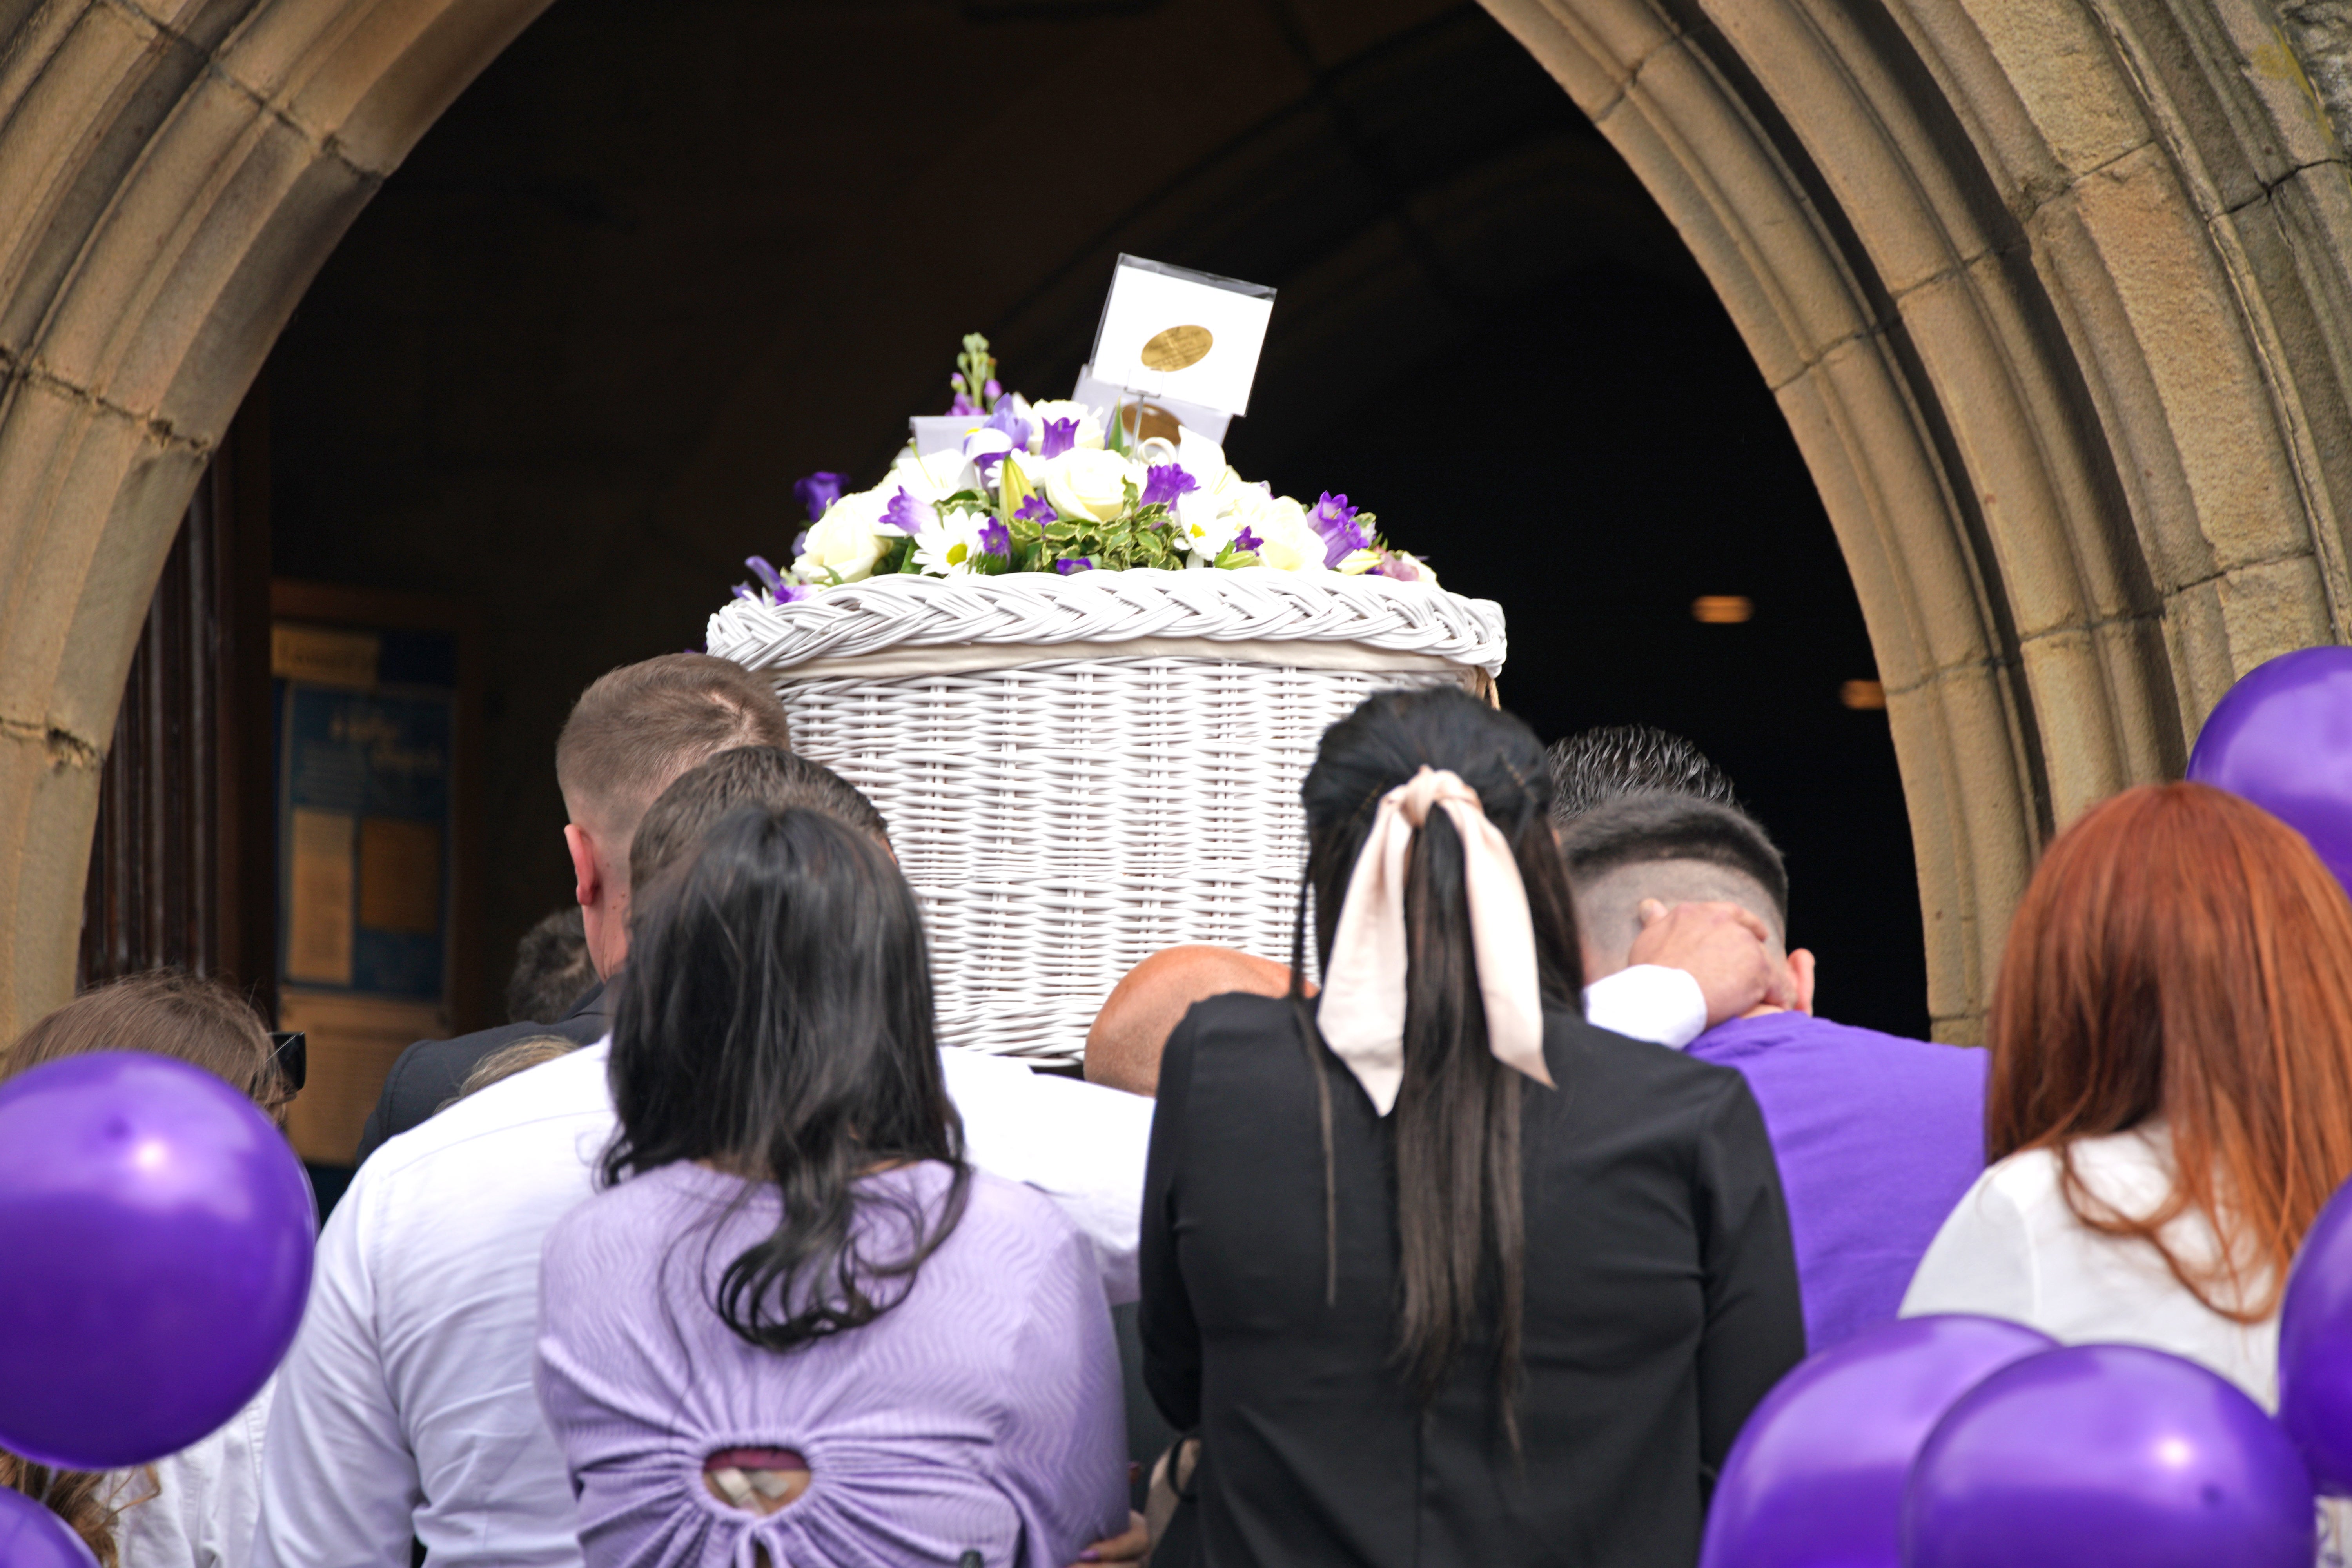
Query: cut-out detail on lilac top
{"type": "Point", "coordinates": [983, 1412]}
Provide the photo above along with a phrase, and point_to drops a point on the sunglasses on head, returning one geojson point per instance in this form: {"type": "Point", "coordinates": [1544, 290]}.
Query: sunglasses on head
{"type": "Point", "coordinates": [290, 1053]}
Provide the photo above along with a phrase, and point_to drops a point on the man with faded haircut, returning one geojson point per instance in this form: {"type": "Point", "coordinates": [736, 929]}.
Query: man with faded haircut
{"type": "Point", "coordinates": [1877, 1137]}
{"type": "Point", "coordinates": [406, 1406]}
{"type": "Point", "coordinates": [631, 732]}
{"type": "Point", "coordinates": [1594, 766]}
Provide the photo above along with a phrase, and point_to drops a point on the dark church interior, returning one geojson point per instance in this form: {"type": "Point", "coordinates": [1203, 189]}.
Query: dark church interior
{"type": "Point", "coordinates": [562, 372]}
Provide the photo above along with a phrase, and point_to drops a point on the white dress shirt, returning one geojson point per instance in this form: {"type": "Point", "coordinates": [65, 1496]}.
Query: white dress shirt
{"type": "Point", "coordinates": [198, 1508]}
{"type": "Point", "coordinates": [407, 1405]}
{"type": "Point", "coordinates": [1648, 1002]}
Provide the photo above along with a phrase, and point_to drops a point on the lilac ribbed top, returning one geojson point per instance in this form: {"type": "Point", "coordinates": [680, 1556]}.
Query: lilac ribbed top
{"type": "Point", "coordinates": [981, 1414]}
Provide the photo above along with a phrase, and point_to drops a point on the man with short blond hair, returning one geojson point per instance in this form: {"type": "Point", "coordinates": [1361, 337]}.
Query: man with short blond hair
{"type": "Point", "coordinates": [633, 730]}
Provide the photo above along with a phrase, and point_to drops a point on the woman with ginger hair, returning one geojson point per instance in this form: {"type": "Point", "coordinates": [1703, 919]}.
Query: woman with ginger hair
{"type": "Point", "coordinates": [2171, 1100]}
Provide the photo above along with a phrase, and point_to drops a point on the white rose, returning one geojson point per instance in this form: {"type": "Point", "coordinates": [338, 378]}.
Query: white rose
{"type": "Point", "coordinates": [1203, 459]}
{"type": "Point", "coordinates": [846, 543]}
{"type": "Point", "coordinates": [933, 476]}
{"type": "Point", "coordinates": [1091, 425]}
{"type": "Point", "coordinates": [1085, 482]}
{"type": "Point", "coordinates": [1287, 540]}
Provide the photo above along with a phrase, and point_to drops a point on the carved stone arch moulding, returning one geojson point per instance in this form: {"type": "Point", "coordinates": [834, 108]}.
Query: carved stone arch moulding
{"type": "Point", "coordinates": [2053, 293]}
{"type": "Point", "coordinates": [171, 175]}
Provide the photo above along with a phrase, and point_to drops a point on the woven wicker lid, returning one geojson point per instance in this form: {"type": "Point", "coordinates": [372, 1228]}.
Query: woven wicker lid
{"type": "Point", "coordinates": [1034, 610]}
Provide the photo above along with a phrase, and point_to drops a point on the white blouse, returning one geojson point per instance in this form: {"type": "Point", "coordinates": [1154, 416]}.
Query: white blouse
{"type": "Point", "coordinates": [199, 1507]}
{"type": "Point", "coordinates": [2013, 1248]}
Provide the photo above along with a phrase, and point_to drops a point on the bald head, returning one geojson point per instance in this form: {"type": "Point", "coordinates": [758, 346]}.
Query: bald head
{"type": "Point", "coordinates": [1124, 1046]}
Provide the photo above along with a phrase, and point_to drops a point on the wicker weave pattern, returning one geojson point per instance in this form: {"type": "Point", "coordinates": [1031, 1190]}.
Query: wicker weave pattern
{"type": "Point", "coordinates": [1062, 822]}
{"type": "Point", "coordinates": [1062, 819]}
{"type": "Point", "coordinates": [1254, 604]}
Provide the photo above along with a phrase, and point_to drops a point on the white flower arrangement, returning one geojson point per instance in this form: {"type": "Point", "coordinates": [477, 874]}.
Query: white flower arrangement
{"type": "Point", "coordinates": [1046, 486]}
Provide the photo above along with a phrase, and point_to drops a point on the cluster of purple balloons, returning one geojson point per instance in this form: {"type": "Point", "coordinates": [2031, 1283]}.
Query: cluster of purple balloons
{"type": "Point", "coordinates": [1962, 1442]}
{"type": "Point", "coordinates": [1965, 1442]}
{"type": "Point", "coordinates": [157, 1236]}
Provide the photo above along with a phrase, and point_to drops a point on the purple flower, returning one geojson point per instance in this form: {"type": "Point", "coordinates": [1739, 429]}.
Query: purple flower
{"type": "Point", "coordinates": [1074, 564]}
{"type": "Point", "coordinates": [1335, 521]}
{"type": "Point", "coordinates": [995, 538]}
{"type": "Point", "coordinates": [993, 389]}
{"type": "Point", "coordinates": [1058, 436]}
{"type": "Point", "coordinates": [818, 492]}
{"type": "Point", "coordinates": [962, 405]}
{"type": "Point", "coordinates": [1246, 541]}
{"type": "Point", "coordinates": [906, 514]}
{"type": "Point", "coordinates": [766, 574]}
{"type": "Point", "coordinates": [800, 543]}
{"type": "Point", "coordinates": [1164, 482]}
{"type": "Point", "coordinates": [1037, 510]}
{"type": "Point", "coordinates": [1016, 429]}
{"type": "Point", "coordinates": [784, 593]}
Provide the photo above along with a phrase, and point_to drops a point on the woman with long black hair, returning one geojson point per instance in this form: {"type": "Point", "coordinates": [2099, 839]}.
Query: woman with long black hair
{"type": "Point", "coordinates": [1439, 1273]}
{"type": "Point", "coordinates": [797, 1327]}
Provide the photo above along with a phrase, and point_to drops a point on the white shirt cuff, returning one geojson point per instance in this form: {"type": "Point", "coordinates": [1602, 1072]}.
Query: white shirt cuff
{"type": "Point", "coordinates": [1648, 1002]}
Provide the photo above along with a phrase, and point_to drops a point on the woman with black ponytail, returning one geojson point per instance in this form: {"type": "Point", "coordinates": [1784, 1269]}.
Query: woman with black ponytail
{"type": "Point", "coordinates": [1439, 1273]}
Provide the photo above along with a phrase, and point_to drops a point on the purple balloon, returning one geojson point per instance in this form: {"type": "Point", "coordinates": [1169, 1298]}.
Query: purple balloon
{"type": "Point", "coordinates": [2315, 1348]}
{"type": "Point", "coordinates": [1816, 1477]}
{"type": "Point", "coordinates": [2282, 738]}
{"type": "Point", "coordinates": [33, 1537]}
{"type": "Point", "coordinates": [158, 1232]}
{"type": "Point", "coordinates": [2109, 1454]}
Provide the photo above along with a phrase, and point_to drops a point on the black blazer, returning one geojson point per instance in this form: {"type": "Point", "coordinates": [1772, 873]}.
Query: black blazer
{"type": "Point", "coordinates": [429, 1073]}
{"type": "Point", "coordinates": [1661, 1305]}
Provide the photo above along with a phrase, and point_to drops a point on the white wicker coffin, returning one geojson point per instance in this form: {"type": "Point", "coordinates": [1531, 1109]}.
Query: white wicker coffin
{"type": "Point", "coordinates": [1080, 771]}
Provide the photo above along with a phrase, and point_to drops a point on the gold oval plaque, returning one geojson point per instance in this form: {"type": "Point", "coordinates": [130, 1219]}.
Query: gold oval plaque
{"type": "Point", "coordinates": [1177, 347]}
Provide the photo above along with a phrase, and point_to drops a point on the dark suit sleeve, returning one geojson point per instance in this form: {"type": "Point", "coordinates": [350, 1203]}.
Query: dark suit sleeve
{"type": "Point", "coordinates": [1171, 1339]}
{"type": "Point", "coordinates": [382, 1120]}
{"type": "Point", "coordinates": [1755, 1321]}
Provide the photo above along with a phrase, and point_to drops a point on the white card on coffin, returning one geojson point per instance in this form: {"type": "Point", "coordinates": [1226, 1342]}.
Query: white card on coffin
{"type": "Point", "coordinates": [1099, 395]}
{"type": "Point", "coordinates": [1147, 298]}
{"type": "Point", "coordinates": [942, 432]}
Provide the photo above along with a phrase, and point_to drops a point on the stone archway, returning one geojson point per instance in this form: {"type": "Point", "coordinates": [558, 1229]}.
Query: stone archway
{"type": "Point", "coordinates": [2052, 296]}
{"type": "Point", "coordinates": [174, 173]}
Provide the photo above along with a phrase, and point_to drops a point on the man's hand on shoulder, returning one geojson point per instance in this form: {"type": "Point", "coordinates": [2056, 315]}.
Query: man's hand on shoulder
{"type": "Point", "coordinates": [1723, 947]}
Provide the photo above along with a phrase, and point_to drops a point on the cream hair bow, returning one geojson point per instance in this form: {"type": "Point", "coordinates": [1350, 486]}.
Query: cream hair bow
{"type": "Point", "coordinates": [1363, 1012]}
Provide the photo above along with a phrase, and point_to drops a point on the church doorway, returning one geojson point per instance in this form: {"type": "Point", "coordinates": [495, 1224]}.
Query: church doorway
{"type": "Point", "coordinates": [2056, 318]}
{"type": "Point", "coordinates": [569, 362]}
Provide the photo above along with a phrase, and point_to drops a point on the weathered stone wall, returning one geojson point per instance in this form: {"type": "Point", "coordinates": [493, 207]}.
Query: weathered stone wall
{"type": "Point", "coordinates": [2320, 31]}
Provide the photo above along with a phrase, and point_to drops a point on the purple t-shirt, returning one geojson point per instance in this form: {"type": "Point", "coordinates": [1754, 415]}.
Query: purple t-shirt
{"type": "Point", "coordinates": [1878, 1137]}
{"type": "Point", "coordinates": [981, 1412]}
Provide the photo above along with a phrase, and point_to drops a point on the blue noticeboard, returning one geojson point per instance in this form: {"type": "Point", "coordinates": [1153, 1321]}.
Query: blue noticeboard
{"type": "Point", "coordinates": [365, 829]}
